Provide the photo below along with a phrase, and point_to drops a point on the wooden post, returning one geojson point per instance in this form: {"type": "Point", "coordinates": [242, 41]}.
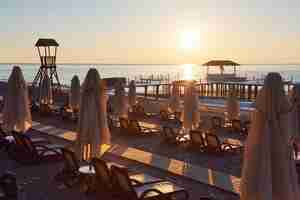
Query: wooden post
{"type": "Point", "coordinates": [249, 88]}
{"type": "Point", "coordinates": [243, 91]}
{"type": "Point", "coordinates": [146, 90]}
{"type": "Point", "coordinates": [255, 92]}
{"type": "Point", "coordinates": [157, 92]}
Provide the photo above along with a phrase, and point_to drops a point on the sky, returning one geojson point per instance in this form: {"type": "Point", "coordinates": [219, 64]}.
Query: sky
{"type": "Point", "coordinates": [152, 31]}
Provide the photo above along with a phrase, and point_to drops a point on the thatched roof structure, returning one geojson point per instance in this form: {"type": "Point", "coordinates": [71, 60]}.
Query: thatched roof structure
{"type": "Point", "coordinates": [45, 42]}
{"type": "Point", "coordinates": [221, 63]}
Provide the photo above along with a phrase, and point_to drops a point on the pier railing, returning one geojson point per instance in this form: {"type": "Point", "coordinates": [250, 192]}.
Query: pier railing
{"type": "Point", "coordinates": [244, 91]}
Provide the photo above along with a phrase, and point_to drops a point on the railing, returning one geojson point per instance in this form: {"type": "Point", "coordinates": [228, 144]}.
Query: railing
{"type": "Point", "coordinates": [244, 91]}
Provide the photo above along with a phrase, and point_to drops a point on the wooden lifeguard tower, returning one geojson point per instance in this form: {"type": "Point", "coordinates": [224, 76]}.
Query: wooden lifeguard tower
{"type": "Point", "coordinates": [47, 49]}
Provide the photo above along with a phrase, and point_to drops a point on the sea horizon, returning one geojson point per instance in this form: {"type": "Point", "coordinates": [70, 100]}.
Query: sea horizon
{"type": "Point", "coordinates": [135, 71]}
{"type": "Point", "coordinates": [92, 63]}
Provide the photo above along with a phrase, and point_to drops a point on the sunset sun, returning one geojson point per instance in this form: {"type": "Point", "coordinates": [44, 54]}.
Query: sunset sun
{"type": "Point", "coordinates": [189, 40]}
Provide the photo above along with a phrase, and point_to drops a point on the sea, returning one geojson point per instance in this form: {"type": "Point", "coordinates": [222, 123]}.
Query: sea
{"type": "Point", "coordinates": [136, 71]}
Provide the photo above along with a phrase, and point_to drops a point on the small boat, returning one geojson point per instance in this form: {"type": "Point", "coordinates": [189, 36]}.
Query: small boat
{"type": "Point", "coordinates": [222, 76]}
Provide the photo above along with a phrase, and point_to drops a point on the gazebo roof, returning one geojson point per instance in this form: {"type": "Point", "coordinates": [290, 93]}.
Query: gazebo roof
{"type": "Point", "coordinates": [221, 63]}
{"type": "Point", "coordinates": [45, 42]}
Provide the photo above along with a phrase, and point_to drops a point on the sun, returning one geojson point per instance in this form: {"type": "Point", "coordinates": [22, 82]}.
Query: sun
{"type": "Point", "coordinates": [189, 39]}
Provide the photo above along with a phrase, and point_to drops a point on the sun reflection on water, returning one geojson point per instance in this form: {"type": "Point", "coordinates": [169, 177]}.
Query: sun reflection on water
{"type": "Point", "coordinates": [188, 73]}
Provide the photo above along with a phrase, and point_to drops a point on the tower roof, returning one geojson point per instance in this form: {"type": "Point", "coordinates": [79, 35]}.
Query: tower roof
{"type": "Point", "coordinates": [45, 42]}
{"type": "Point", "coordinates": [221, 63]}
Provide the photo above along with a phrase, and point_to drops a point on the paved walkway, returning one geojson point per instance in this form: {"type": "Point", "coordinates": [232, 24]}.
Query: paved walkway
{"type": "Point", "coordinates": [204, 175]}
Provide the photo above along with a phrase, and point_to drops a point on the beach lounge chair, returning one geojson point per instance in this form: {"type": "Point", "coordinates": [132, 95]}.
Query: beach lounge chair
{"type": "Point", "coordinates": [167, 116]}
{"type": "Point", "coordinates": [197, 142]}
{"type": "Point", "coordinates": [103, 179]}
{"type": "Point", "coordinates": [69, 175]}
{"type": "Point", "coordinates": [4, 141]}
{"type": "Point", "coordinates": [214, 144]}
{"type": "Point", "coordinates": [104, 183]}
{"type": "Point", "coordinates": [207, 198]}
{"type": "Point", "coordinates": [27, 152]}
{"type": "Point", "coordinates": [172, 136]}
{"type": "Point", "coordinates": [159, 190]}
{"type": "Point", "coordinates": [42, 152]}
{"type": "Point", "coordinates": [8, 187]}
{"type": "Point", "coordinates": [67, 113]}
{"type": "Point", "coordinates": [216, 122]}
{"type": "Point", "coordinates": [34, 140]}
{"type": "Point", "coordinates": [239, 127]}
{"type": "Point", "coordinates": [135, 128]}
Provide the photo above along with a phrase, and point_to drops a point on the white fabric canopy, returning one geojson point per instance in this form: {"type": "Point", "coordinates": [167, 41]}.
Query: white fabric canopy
{"type": "Point", "coordinates": [16, 111]}
{"type": "Point", "coordinates": [92, 125]}
{"type": "Point", "coordinates": [46, 91]}
{"type": "Point", "coordinates": [174, 101]}
{"type": "Point", "coordinates": [232, 105]}
{"type": "Point", "coordinates": [268, 169]}
{"type": "Point", "coordinates": [191, 114]}
{"type": "Point", "coordinates": [132, 93]}
{"type": "Point", "coordinates": [75, 93]}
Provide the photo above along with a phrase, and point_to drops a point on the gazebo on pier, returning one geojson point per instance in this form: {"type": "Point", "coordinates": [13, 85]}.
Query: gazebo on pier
{"type": "Point", "coordinates": [47, 49]}
{"type": "Point", "coordinates": [221, 76]}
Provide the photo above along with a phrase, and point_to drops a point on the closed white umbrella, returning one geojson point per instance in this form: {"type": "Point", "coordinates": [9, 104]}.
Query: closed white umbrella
{"type": "Point", "coordinates": [120, 101]}
{"type": "Point", "coordinates": [174, 102]}
{"type": "Point", "coordinates": [191, 115]}
{"type": "Point", "coordinates": [92, 124]}
{"type": "Point", "coordinates": [268, 169]}
{"type": "Point", "coordinates": [75, 93]}
{"type": "Point", "coordinates": [46, 91]}
{"type": "Point", "coordinates": [16, 111]}
{"type": "Point", "coordinates": [232, 105]}
{"type": "Point", "coordinates": [132, 93]}
{"type": "Point", "coordinates": [295, 113]}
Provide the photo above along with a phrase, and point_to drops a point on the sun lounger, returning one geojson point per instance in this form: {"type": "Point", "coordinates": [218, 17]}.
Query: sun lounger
{"type": "Point", "coordinates": [27, 152]}
{"type": "Point", "coordinates": [4, 140]}
{"type": "Point", "coordinates": [69, 175]}
{"type": "Point", "coordinates": [216, 122]}
{"type": "Point", "coordinates": [214, 144]}
{"type": "Point", "coordinates": [197, 142]}
{"type": "Point", "coordinates": [8, 187]}
{"type": "Point", "coordinates": [158, 190]}
{"type": "Point", "coordinates": [136, 129]}
{"type": "Point", "coordinates": [69, 114]}
{"type": "Point", "coordinates": [34, 140]}
{"type": "Point", "coordinates": [171, 136]}
{"type": "Point", "coordinates": [104, 183]}
{"type": "Point", "coordinates": [239, 127]}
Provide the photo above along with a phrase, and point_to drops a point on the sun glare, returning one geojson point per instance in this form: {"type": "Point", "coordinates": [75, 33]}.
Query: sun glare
{"type": "Point", "coordinates": [188, 72]}
{"type": "Point", "coordinates": [190, 39]}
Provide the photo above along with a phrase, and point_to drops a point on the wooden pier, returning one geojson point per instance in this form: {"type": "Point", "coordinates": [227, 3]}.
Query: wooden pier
{"type": "Point", "coordinates": [244, 91]}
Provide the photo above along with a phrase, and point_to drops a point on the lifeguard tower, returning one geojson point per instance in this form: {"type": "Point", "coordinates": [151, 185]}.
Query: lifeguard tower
{"type": "Point", "coordinates": [47, 49]}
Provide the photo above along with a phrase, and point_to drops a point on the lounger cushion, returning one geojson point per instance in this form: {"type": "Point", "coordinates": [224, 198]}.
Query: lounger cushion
{"type": "Point", "coordinates": [164, 187]}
